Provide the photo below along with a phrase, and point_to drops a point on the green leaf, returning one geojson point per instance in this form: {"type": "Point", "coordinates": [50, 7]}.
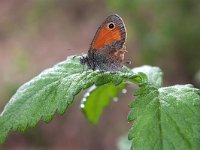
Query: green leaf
{"type": "Point", "coordinates": [53, 91]}
{"type": "Point", "coordinates": [97, 98]}
{"type": "Point", "coordinates": [154, 74]}
{"type": "Point", "coordinates": [165, 118]}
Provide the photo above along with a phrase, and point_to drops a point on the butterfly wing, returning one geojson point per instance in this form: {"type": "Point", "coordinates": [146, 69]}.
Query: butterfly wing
{"type": "Point", "coordinates": [107, 48]}
{"type": "Point", "coordinates": [112, 30]}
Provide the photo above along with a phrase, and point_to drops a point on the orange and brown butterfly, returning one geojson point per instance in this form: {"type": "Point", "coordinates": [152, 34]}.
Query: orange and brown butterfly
{"type": "Point", "coordinates": [107, 49]}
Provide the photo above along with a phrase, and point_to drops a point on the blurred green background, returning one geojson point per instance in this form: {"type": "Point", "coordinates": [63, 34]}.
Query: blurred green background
{"type": "Point", "coordinates": [36, 34]}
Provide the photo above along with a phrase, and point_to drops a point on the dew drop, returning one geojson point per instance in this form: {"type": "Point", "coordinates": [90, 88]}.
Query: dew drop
{"type": "Point", "coordinates": [84, 99]}
{"type": "Point", "coordinates": [124, 91]}
{"type": "Point", "coordinates": [82, 106]}
{"type": "Point", "coordinates": [87, 94]}
{"type": "Point", "coordinates": [115, 99]}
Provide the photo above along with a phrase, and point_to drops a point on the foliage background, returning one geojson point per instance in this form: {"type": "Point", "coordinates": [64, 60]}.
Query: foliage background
{"type": "Point", "coordinates": [35, 35]}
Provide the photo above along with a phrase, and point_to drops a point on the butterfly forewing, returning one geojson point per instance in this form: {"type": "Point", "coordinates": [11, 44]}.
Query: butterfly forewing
{"type": "Point", "coordinates": [104, 36]}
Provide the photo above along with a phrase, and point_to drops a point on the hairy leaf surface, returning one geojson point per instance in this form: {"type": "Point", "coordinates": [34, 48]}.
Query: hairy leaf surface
{"type": "Point", "coordinates": [53, 91]}
{"type": "Point", "coordinates": [165, 118]}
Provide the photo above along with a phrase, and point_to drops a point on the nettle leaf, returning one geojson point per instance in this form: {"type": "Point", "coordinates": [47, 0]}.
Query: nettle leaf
{"type": "Point", "coordinates": [97, 98]}
{"type": "Point", "coordinates": [154, 74]}
{"type": "Point", "coordinates": [165, 118]}
{"type": "Point", "coordinates": [53, 91]}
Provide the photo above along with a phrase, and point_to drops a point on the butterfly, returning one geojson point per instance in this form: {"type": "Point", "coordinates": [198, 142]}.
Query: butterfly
{"type": "Point", "coordinates": [106, 52]}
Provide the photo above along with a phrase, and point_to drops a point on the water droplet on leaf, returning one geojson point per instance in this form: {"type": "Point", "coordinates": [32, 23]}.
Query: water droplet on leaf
{"type": "Point", "coordinates": [124, 91]}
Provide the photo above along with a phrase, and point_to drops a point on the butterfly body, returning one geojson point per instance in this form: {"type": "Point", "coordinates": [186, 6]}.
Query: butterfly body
{"type": "Point", "coordinates": [107, 49]}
